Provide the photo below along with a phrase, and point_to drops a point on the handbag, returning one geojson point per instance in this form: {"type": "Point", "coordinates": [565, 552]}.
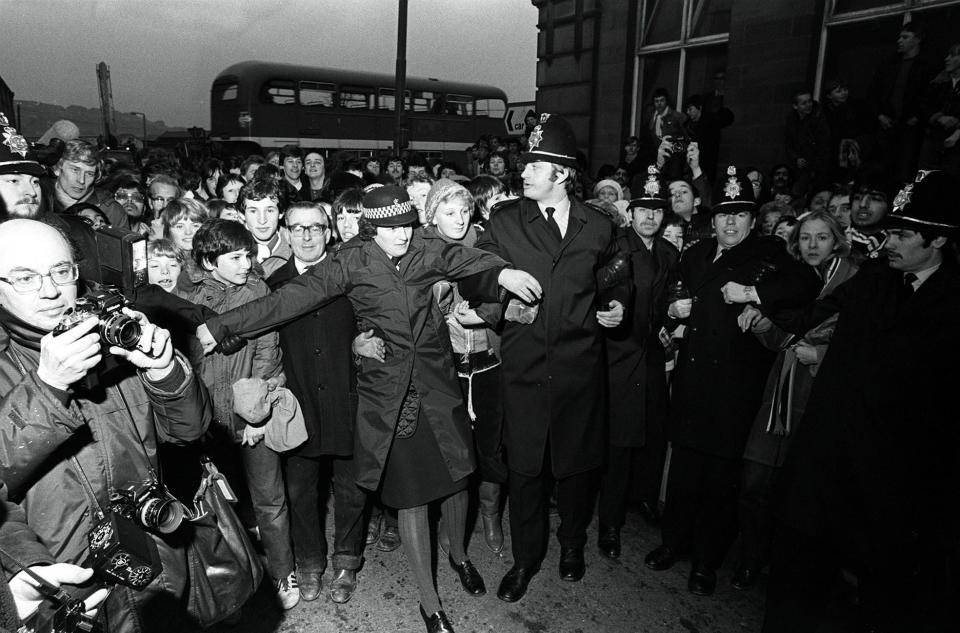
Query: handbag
{"type": "Point", "coordinates": [223, 566]}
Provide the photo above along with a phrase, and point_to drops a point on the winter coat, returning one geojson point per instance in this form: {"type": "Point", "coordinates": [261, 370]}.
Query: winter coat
{"type": "Point", "coordinates": [95, 432]}
{"type": "Point", "coordinates": [808, 137]}
{"type": "Point", "coordinates": [788, 386]}
{"type": "Point", "coordinates": [259, 359]}
{"type": "Point", "coordinates": [318, 363]}
{"type": "Point", "coordinates": [638, 384]}
{"type": "Point", "coordinates": [554, 372]}
{"type": "Point", "coordinates": [396, 300]}
{"type": "Point", "coordinates": [875, 464]}
{"type": "Point", "coordinates": [720, 370]}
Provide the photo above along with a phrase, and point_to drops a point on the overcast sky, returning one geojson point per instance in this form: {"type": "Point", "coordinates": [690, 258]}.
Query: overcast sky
{"type": "Point", "coordinates": [164, 54]}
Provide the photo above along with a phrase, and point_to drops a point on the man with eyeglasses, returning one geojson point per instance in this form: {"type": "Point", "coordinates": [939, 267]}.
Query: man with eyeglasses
{"type": "Point", "coordinates": [93, 442]}
{"type": "Point", "coordinates": [130, 195]}
{"type": "Point", "coordinates": [318, 363]}
{"type": "Point", "coordinates": [163, 190]}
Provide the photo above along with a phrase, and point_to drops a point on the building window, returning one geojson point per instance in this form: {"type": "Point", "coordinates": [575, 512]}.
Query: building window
{"type": "Point", "coordinates": [857, 35]}
{"type": "Point", "coordinates": [682, 48]}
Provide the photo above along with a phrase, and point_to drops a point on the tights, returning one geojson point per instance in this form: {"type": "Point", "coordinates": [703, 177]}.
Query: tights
{"type": "Point", "coordinates": [415, 537]}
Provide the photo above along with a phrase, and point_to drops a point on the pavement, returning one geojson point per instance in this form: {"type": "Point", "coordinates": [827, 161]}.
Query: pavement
{"type": "Point", "coordinates": [613, 597]}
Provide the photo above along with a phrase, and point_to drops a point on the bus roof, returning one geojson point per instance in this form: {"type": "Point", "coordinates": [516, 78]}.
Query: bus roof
{"type": "Point", "coordinates": [258, 71]}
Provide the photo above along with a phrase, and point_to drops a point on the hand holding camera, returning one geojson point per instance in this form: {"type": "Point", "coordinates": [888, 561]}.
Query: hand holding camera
{"type": "Point", "coordinates": [153, 350]}
{"type": "Point", "coordinates": [29, 594]}
{"type": "Point", "coordinates": [67, 356]}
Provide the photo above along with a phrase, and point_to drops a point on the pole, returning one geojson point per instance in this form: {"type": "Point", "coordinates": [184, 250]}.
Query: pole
{"type": "Point", "coordinates": [400, 88]}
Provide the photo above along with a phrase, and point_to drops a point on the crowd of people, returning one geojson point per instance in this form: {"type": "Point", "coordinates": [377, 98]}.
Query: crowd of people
{"type": "Point", "coordinates": [515, 333]}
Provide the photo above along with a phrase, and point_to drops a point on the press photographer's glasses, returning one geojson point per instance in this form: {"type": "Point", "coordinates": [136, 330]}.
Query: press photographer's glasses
{"type": "Point", "coordinates": [316, 230]}
{"type": "Point", "coordinates": [27, 281]}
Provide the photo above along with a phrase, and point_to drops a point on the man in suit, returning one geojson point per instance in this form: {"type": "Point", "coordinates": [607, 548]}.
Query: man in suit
{"type": "Point", "coordinates": [719, 379]}
{"type": "Point", "coordinates": [318, 362]}
{"type": "Point", "coordinates": [870, 483]}
{"type": "Point", "coordinates": [553, 364]}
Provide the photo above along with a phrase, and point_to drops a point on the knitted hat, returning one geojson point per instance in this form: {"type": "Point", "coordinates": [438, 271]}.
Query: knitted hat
{"type": "Point", "coordinates": [931, 203]}
{"type": "Point", "coordinates": [388, 205]}
{"type": "Point", "coordinates": [654, 192]}
{"type": "Point", "coordinates": [441, 190]}
{"type": "Point", "coordinates": [735, 195]}
{"type": "Point", "coordinates": [14, 150]}
{"type": "Point", "coordinates": [552, 141]}
{"type": "Point", "coordinates": [613, 184]}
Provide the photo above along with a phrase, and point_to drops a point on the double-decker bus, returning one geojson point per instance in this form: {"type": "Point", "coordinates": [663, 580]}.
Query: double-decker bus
{"type": "Point", "coordinates": [332, 110]}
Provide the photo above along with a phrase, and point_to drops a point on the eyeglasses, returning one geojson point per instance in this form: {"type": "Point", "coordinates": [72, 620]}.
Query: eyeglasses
{"type": "Point", "coordinates": [316, 230]}
{"type": "Point", "coordinates": [27, 281]}
{"type": "Point", "coordinates": [122, 196]}
{"type": "Point", "coordinates": [162, 200]}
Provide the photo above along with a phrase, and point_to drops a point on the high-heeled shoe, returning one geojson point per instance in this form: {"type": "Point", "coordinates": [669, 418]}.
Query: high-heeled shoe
{"type": "Point", "coordinates": [436, 622]}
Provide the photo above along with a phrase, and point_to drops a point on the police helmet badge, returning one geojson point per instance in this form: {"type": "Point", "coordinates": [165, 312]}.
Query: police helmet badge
{"type": "Point", "coordinates": [535, 137]}
{"type": "Point", "coordinates": [732, 188]}
{"type": "Point", "coordinates": [651, 188]}
{"type": "Point", "coordinates": [15, 141]}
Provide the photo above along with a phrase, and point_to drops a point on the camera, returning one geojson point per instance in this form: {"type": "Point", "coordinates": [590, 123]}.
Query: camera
{"type": "Point", "coordinates": [106, 304]}
{"type": "Point", "coordinates": [679, 145]}
{"type": "Point", "coordinates": [62, 613]}
{"type": "Point", "coordinates": [150, 505]}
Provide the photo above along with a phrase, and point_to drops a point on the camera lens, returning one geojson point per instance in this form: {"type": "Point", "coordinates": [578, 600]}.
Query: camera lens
{"type": "Point", "coordinates": [120, 330]}
{"type": "Point", "coordinates": [162, 514]}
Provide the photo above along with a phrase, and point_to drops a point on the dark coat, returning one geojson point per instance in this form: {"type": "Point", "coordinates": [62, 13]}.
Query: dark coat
{"type": "Point", "coordinates": [638, 382]}
{"type": "Point", "coordinates": [875, 462]}
{"type": "Point", "coordinates": [554, 369]}
{"type": "Point", "coordinates": [808, 138]}
{"type": "Point", "coordinates": [318, 362]}
{"type": "Point", "coordinates": [721, 370]}
{"type": "Point", "coordinates": [397, 302]}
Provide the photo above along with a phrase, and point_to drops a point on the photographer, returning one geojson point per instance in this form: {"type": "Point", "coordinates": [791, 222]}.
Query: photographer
{"type": "Point", "coordinates": [115, 427]}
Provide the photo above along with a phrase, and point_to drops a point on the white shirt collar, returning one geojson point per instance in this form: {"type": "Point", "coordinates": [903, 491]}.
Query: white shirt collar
{"type": "Point", "coordinates": [302, 266]}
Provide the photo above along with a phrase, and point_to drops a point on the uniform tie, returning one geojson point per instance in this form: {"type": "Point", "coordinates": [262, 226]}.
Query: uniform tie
{"type": "Point", "coordinates": [908, 280]}
{"type": "Point", "coordinates": [552, 223]}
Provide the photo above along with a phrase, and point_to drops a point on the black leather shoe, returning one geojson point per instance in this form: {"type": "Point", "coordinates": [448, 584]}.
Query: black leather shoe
{"type": "Point", "coordinates": [436, 622]}
{"type": "Point", "coordinates": [744, 578]}
{"type": "Point", "coordinates": [343, 586]}
{"type": "Point", "coordinates": [470, 578]}
{"type": "Point", "coordinates": [572, 566]}
{"type": "Point", "coordinates": [492, 532]}
{"type": "Point", "coordinates": [389, 539]}
{"type": "Point", "coordinates": [650, 512]}
{"type": "Point", "coordinates": [661, 558]}
{"type": "Point", "coordinates": [608, 541]}
{"type": "Point", "coordinates": [311, 583]}
{"type": "Point", "coordinates": [703, 580]}
{"type": "Point", "coordinates": [514, 583]}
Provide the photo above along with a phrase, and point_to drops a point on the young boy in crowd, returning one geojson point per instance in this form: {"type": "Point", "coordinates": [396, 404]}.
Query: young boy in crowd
{"type": "Point", "coordinates": [225, 251]}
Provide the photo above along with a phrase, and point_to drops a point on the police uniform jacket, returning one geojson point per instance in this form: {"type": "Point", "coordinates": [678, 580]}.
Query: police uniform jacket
{"type": "Point", "coordinates": [638, 385]}
{"type": "Point", "coordinates": [720, 369]}
{"type": "Point", "coordinates": [554, 369]}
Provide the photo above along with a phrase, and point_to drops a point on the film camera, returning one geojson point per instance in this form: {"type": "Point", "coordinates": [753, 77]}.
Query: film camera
{"type": "Point", "coordinates": [121, 551]}
{"type": "Point", "coordinates": [679, 145]}
{"type": "Point", "coordinates": [106, 304]}
{"type": "Point", "coordinates": [60, 613]}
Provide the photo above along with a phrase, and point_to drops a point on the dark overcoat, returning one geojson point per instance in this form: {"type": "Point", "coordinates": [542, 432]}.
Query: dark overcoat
{"type": "Point", "coordinates": [875, 460]}
{"type": "Point", "coordinates": [721, 370]}
{"type": "Point", "coordinates": [554, 369]}
{"type": "Point", "coordinates": [638, 382]}
{"type": "Point", "coordinates": [318, 363]}
{"type": "Point", "coordinates": [395, 300]}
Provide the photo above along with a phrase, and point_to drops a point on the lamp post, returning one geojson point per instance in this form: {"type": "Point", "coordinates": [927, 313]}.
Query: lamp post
{"type": "Point", "coordinates": [143, 117]}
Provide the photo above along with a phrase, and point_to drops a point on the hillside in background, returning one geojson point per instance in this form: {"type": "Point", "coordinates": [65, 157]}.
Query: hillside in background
{"type": "Point", "coordinates": [36, 118]}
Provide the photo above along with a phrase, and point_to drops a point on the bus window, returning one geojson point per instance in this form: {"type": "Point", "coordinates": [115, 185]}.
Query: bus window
{"type": "Point", "coordinates": [355, 97]}
{"type": "Point", "coordinates": [225, 92]}
{"type": "Point", "coordinates": [386, 100]}
{"type": "Point", "coordinates": [315, 94]}
{"type": "Point", "coordinates": [460, 105]}
{"type": "Point", "coordinates": [421, 101]}
{"type": "Point", "coordinates": [279, 92]}
{"type": "Point", "coordinates": [493, 108]}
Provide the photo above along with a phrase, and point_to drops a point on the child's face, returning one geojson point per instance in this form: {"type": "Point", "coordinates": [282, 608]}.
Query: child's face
{"type": "Point", "coordinates": [96, 220]}
{"type": "Point", "coordinates": [232, 268]}
{"type": "Point", "coordinates": [674, 235]}
{"type": "Point", "coordinates": [163, 271]}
